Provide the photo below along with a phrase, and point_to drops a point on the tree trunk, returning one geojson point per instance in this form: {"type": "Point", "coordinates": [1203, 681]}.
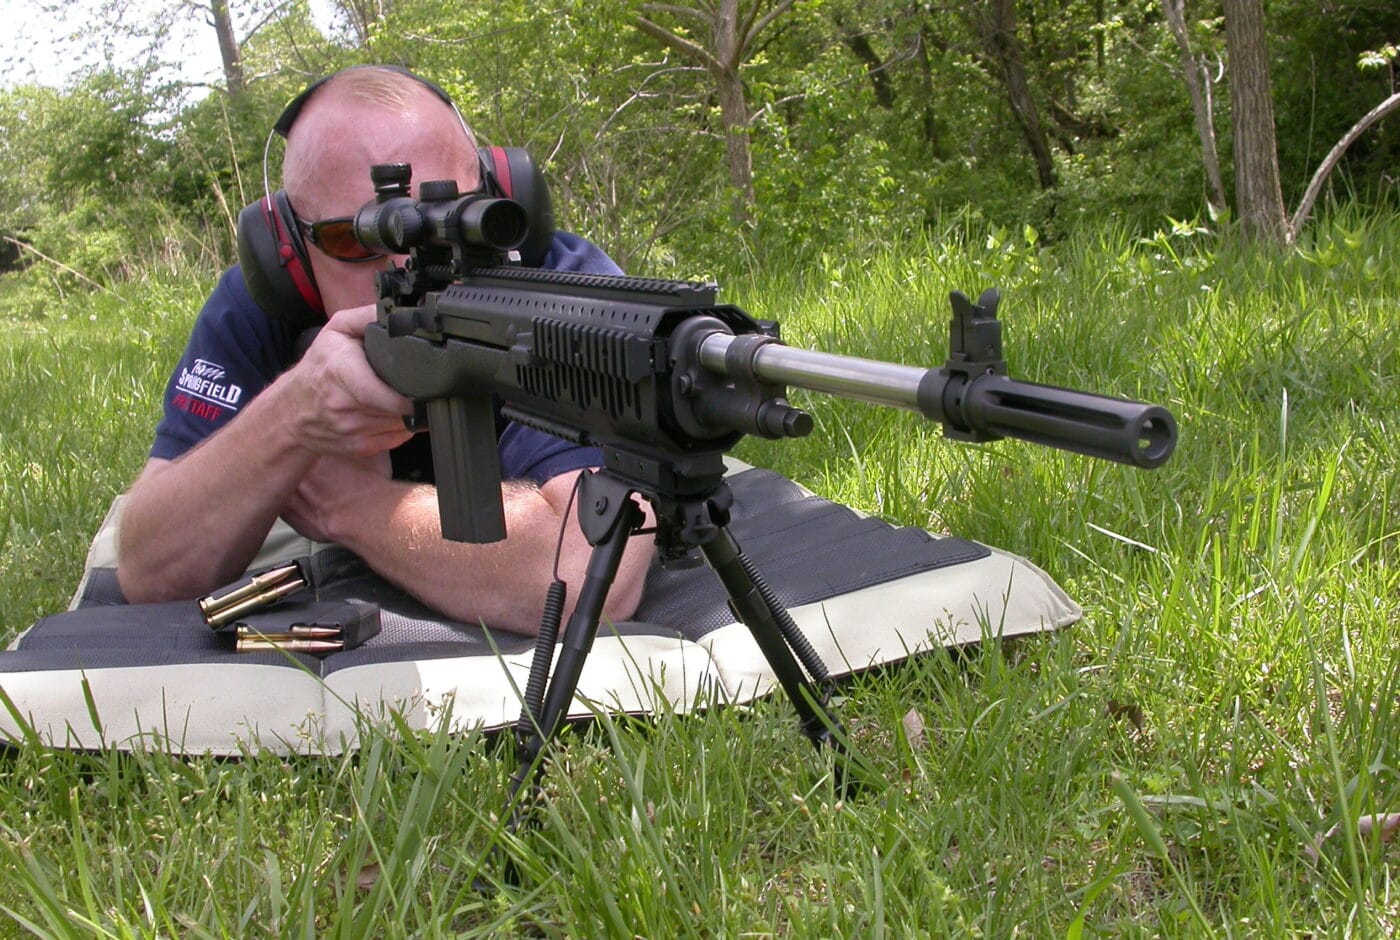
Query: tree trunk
{"type": "Point", "coordinates": [732, 33]}
{"type": "Point", "coordinates": [733, 105]}
{"type": "Point", "coordinates": [860, 47]}
{"type": "Point", "coordinates": [1258, 194]}
{"type": "Point", "coordinates": [228, 46]}
{"type": "Point", "coordinates": [996, 24]}
{"type": "Point", "coordinates": [926, 76]}
{"type": "Point", "coordinates": [932, 126]}
{"type": "Point", "coordinates": [1198, 87]}
{"type": "Point", "coordinates": [734, 113]}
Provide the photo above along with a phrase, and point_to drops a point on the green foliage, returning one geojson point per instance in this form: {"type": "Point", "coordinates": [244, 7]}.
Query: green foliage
{"type": "Point", "coordinates": [1383, 58]}
{"type": "Point", "coordinates": [1172, 765]}
{"type": "Point", "coordinates": [93, 142]}
{"type": "Point", "coordinates": [25, 158]}
{"type": "Point", "coordinates": [120, 171]}
{"type": "Point", "coordinates": [1320, 92]}
{"type": "Point", "coordinates": [617, 127]}
{"type": "Point", "coordinates": [95, 238]}
{"type": "Point", "coordinates": [99, 136]}
{"type": "Point", "coordinates": [1145, 163]}
{"type": "Point", "coordinates": [869, 121]}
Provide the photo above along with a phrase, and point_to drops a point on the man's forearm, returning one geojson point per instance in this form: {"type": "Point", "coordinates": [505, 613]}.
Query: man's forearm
{"type": "Point", "coordinates": [396, 530]}
{"type": "Point", "coordinates": [194, 524]}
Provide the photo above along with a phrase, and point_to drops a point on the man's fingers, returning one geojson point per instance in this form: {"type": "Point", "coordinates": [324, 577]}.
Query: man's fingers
{"type": "Point", "coordinates": [340, 376]}
{"type": "Point", "coordinates": [353, 320]}
{"type": "Point", "coordinates": [366, 388]}
{"type": "Point", "coordinates": [347, 408]}
{"type": "Point", "coordinates": [375, 444]}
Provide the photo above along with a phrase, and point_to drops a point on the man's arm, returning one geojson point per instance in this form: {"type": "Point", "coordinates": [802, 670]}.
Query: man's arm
{"type": "Point", "coordinates": [193, 524]}
{"type": "Point", "coordinates": [395, 528]}
{"type": "Point", "coordinates": [297, 450]}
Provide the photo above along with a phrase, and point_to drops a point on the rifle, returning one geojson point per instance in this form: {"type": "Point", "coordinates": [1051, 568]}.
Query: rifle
{"type": "Point", "coordinates": [664, 380]}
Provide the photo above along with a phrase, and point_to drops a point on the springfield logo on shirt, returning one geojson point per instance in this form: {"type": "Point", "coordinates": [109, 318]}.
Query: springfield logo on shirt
{"type": "Point", "coordinates": [204, 392]}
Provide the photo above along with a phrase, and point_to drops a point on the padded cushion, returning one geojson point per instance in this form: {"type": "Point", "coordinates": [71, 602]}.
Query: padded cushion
{"type": "Point", "coordinates": [862, 591]}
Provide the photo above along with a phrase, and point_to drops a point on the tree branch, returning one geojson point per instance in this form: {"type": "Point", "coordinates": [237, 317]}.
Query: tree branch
{"type": "Point", "coordinates": [1333, 157]}
{"type": "Point", "coordinates": [680, 44]}
{"type": "Point", "coordinates": [752, 32]}
{"type": "Point", "coordinates": [252, 30]}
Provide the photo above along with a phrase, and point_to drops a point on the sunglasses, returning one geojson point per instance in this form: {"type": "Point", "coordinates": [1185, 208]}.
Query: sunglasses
{"type": "Point", "coordinates": [336, 237]}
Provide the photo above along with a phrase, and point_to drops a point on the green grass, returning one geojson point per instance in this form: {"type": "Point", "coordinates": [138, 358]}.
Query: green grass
{"type": "Point", "coordinates": [1166, 767]}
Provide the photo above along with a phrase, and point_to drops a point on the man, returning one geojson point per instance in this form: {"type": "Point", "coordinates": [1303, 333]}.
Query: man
{"type": "Point", "coordinates": [309, 441]}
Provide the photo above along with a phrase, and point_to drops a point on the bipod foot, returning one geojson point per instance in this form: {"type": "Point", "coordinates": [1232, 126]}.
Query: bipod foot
{"type": "Point", "coordinates": [783, 645]}
{"type": "Point", "coordinates": [607, 515]}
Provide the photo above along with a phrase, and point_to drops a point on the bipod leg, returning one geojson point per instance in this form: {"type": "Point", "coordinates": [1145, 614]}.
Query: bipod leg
{"type": "Point", "coordinates": [607, 516]}
{"type": "Point", "coordinates": [782, 644]}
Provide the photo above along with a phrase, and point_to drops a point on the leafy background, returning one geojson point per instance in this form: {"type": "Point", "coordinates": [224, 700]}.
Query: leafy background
{"type": "Point", "coordinates": [1211, 751]}
{"type": "Point", "coordinates": [866, 122]}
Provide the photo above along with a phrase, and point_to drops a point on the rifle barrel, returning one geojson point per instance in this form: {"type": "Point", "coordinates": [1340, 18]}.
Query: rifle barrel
{"type": "Point", "coordinates": [972, 407]}
{"type": "Point", "coordinates": [868, 380]}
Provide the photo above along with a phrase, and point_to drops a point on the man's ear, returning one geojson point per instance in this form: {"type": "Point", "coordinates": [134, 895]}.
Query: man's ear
{"type": "Point", "coordinates": [276, 268]}
{"type": "Point", "coordinates": [511, 172]}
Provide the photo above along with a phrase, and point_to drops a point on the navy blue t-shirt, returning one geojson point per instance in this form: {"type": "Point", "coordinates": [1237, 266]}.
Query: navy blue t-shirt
{"type": "Point", "coordinates": [236, 350]}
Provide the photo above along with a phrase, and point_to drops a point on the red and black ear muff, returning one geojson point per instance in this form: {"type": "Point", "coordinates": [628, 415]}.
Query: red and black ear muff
{"type": "Point", "coordinates": [275, 265]}
{"type": "Point", "coordinates": [511, 172]}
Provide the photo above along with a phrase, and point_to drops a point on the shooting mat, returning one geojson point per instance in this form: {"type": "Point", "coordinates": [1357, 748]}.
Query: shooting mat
{"type": "Point", "coordinates": [865, 593]}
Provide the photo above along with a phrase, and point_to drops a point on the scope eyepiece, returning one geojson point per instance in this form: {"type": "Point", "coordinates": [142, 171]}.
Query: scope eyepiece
{"type": "Point", "coordinates": [493, 223]}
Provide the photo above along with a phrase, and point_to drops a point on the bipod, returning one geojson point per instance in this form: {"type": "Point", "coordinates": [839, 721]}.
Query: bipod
{"type": "Point", "coordinates": [609, 517]}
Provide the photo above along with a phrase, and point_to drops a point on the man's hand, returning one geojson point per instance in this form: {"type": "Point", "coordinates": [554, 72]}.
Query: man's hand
{"type": "Point", "coordinates": [330, 494]}
{"type": "Point", "coordinates": [343, 408]}
{"type": "Point", "coordinates": [294, 450]}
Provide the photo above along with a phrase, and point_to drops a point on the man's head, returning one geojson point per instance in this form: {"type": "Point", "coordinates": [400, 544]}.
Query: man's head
{"type": "Point", "coordinates": [357, 118]}
{"type": "Point", "coordinates": [336, 129]}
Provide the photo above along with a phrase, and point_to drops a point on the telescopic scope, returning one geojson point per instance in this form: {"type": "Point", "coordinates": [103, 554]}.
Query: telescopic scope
{"type": "Point", "coordinates": [441, 217]}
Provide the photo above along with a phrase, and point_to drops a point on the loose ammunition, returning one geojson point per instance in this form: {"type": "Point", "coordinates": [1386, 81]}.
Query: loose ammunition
{"type": "Point", "coordinates": [317, 629]}
{"type": "Point", "coordinates": [264, 589]}
{"type": "Point", "coordinates": [212, 605]}
{"type": "Point", "coordinates": [298, 631]}
{"type": "Point", "coordinates": [252, 645]}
